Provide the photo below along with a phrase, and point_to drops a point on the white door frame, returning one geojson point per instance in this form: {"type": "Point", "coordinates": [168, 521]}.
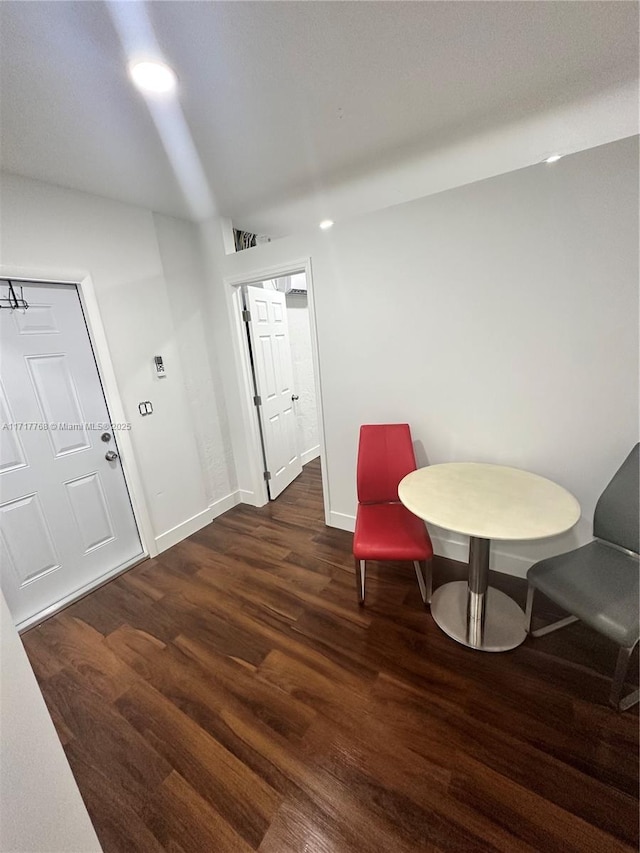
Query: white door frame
{"type": "Point", "coordinates": [233, 294]}
{"type": "Point", "coordinates": [81, 280]}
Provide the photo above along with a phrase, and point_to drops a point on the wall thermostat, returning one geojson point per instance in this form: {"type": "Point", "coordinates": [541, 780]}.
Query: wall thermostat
{"type": "Point", "coordinates": [157, 360]}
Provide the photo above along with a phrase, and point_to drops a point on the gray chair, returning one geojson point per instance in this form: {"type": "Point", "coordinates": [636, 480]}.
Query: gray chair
{"type": "Point", "coordinates": [598, 583]}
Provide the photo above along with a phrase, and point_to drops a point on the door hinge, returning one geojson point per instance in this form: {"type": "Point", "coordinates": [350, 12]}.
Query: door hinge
{"type": "Point", "coordinates": [267, 475]}
{"type": "Point", "coordinates": [246, 316]}
{"type": "Point", "coordinates": [257, 400]}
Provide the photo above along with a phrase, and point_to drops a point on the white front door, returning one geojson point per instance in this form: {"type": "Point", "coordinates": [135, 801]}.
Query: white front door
{"type": "Point", "coordinates": [65, 515]}
{"type": "Point", "coordinates": [273, 374]}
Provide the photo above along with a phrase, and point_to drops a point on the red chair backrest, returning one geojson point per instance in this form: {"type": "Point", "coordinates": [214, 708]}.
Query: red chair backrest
{"type": "Point", "coordinates": [385, 455]}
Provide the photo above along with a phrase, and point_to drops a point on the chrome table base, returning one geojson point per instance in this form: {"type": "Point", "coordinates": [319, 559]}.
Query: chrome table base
{"type": "Point", "coordinates": [476, 614]}
{"type": "Point", "coordinates": [503, 619]}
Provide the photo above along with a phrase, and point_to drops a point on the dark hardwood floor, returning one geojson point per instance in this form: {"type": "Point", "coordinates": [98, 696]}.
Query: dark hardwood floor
{"type": "Point", "coordinates": [230, 695]}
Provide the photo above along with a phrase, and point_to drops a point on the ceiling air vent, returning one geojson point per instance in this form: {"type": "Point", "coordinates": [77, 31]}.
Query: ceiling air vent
{"type": "Point", "coordinates": [246, 240]}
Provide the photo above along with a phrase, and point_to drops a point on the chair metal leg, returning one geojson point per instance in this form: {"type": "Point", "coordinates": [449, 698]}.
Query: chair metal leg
{"type": "Point", "coordinates": [547, 629]}
{"type": "Point", "coordinates": [425, 581]}
{"type": "Point", "coordinates": [417, 565]}
{"type": "Point", "coordinates": [554, 626]}
{"type": "Point", "coordinates": [361, 569]}
{"type": "Point", "coordinates": [529, 608]}
{"type": "Point", "coordinates": [621, 704]}
{"type": "Point", "coordinates": [428, 577]}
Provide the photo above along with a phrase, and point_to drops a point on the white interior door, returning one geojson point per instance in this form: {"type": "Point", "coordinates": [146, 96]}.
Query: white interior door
{"type": "Point", "coordinates": [65, 515]}
{"type": "Point", "coordinates": [273, 373]}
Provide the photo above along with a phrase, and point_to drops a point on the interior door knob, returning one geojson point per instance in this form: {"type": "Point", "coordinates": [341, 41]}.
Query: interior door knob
{"type": "Point", "coordinates": [110, 455]}
{"type": "Point", "coordinates": [294, 397]}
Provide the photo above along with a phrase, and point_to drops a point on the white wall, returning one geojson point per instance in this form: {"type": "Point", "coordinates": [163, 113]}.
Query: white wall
{"type": "Point", "coordinates": [499, 319]}
{"type": "Point", "coordinates": [147, 274]}
{"type": "Point", "coordinates": [183, 266]}
{"type": "Point", "coordinates": [303, 378]}
{"type": "Point", "coordinates": [41, 810]}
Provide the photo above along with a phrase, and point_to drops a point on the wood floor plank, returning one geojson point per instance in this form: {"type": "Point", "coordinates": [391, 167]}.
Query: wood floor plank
{"type": "Point", "coordinates": [231, 695]}
{"type": "Point", "coordinates": [403, 787]}
{"type": "Point", "coordinates": [329, 795]}
{"type": "Point", "coordinates": [245, 619]}
{"type": "Point", "coordinates": [108, 741]}
{"type": "Point", "coordinates": [243, 798]}
{"type": "Point", "coordinates": [268, 590]}
{"type": "Point", "coordinates": [520, 808]}
{"type": "Point", "coordinates": [82, 648]}
{"type": "Point", "coordinates": [233, 639]}
{"type": "Point", "coordinates": [226, 565]}
{"type": "Point", "coordinates": [45, 661]}
{"type": "Point", "coordinates": [183, 821]}
{"type": "Point", "coordinates": [521, 759]}
{"type": "Point", "coordinates": [301, 826]}
{"type": "Point", "coordinates": [527, 756]}
{"type": "Point", "coordinates": [119, 818]}
{"type": "Point", "coordinates": [192, 675]}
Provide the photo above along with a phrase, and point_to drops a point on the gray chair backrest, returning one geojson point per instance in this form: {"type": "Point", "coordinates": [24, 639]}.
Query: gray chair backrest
{"type": "Point", "coordinates": [617, 515]}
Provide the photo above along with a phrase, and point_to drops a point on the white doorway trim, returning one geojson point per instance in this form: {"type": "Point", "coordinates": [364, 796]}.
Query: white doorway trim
{"type": "Point", "coordinates": [233, 296]}
{"type": "Point", "coordinates": [81, 280]}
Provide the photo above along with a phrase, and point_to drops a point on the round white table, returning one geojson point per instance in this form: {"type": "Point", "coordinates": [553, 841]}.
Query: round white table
{"type": "Point", "coordinates": [485, 502]}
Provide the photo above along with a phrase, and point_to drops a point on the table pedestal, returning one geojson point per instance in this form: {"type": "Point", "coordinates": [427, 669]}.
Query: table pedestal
{"type": "Point", "coordinates": [476, 614]}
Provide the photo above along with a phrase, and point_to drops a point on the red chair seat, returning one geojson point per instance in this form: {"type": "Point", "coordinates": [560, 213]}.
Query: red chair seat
{"type": "Point", "coordinates": [389, 531]}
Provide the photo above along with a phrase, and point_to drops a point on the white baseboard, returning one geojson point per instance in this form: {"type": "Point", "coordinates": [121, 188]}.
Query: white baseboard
{"type": "Point", "coordinates": [309, 455]}
{"type": "Point", "coordinates": [342, 521]}
{"type": "Point", "coordinates": [224, 504]}
{"type": "Point", "coordinates": [196, 522]}
{"type": "Point", "coordinates": [510, 564]}
{"type": "Point", "coordinates": [247, 497]}
{"type": "Point", "coordinates": [454, 549]}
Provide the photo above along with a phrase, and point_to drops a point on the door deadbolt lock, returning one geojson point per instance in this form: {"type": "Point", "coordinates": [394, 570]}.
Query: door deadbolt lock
{"type": "Point", "coordinates": [106, 436]}
{"type": "Point", "coordinates": [110, 455]}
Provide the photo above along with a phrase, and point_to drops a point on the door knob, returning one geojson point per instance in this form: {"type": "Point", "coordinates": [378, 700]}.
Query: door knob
{"type": "Point", "coordinates": [110, 455]}
{"type": "Point", "coordinates": [294, 397]}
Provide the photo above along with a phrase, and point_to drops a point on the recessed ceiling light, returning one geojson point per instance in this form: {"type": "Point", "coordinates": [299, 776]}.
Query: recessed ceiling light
{"type": "Point", "coordinates": [155, 77]}
{"type": "Point", "coordinates": [553, 158]}
{"type": "Point", "coordinates": [326, 223]}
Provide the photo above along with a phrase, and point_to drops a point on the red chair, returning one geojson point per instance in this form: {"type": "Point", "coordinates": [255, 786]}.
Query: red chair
{"type": "Point", "coordinates": [385, 529]}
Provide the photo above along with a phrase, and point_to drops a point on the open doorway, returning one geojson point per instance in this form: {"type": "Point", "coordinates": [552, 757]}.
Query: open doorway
{"type": "Point", "coordinates": [276, 316]}
{"type": "Point", "coordinates": [247, 441]}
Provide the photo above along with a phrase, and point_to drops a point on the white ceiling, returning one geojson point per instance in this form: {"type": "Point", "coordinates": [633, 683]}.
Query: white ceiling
{"type": "Point", "coordinates": [287, 101]}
